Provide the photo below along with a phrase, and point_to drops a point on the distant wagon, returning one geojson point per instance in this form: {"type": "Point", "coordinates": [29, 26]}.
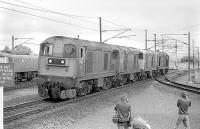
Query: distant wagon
{"type": "Point", "coordinates": [71, 67]}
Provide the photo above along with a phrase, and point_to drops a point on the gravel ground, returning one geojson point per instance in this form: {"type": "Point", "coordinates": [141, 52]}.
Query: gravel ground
{"type": "Point", "coordinates": [19, 96]}
{"type": "Point", "coordinates": [183, 79]}
{"type": "Point", "coordinates": [150, 100]}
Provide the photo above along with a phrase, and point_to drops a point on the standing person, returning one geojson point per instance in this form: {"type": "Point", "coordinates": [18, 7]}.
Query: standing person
{"type": "Point", "coordinates": [124, 113]}
{"type": "Point", "coordinates": [183, 104]}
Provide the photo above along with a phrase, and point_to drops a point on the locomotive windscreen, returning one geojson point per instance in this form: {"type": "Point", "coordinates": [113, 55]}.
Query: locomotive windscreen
{"type": "Point", "coordinates": [70, 51]}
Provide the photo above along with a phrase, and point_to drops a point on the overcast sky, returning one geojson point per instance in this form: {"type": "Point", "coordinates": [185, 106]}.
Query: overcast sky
{"type": "Point", "coordinates": [157, 16]}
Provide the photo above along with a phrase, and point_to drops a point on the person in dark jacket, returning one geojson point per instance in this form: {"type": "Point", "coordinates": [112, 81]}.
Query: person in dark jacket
{"type": "Point", "coordinates": [124, 113]}
{"type": "Point", "coordinates": [183, 104]}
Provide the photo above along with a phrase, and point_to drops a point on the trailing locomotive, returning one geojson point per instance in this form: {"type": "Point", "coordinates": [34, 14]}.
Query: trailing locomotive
{"type": "Point", "coordinates": [25, 66]}
{"type": "Point", "coordinates": [71, 67]}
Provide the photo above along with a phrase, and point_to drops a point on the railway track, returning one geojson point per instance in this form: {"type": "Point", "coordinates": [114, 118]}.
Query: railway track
{"type": "Point", "coordinates": [171, 83]}
{"type": "Point", "coordinates": [20, 85]}
{"type": "Point", "coordinates": [22, 110]}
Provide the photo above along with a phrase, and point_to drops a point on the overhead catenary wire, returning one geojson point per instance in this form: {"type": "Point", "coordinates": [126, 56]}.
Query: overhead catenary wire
{"type": "Point", "coordinates": [49, 19]}
{"type": "Point", "coordinates": [48, 10]}
{"type": "Point", "coordinates": [55, 12]}
{"type": "Point", "coordinates": [72, 16]}
{"type": "Point", "coordinates": [41, 9]}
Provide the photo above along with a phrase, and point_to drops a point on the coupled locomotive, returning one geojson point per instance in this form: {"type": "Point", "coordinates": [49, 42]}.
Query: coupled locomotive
{"type": "Point", "coordinates": [70, 67]}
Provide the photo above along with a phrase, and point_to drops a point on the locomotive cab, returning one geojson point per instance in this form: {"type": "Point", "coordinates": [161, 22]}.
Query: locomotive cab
{"type": "Point", "coordinates": [57, 66]}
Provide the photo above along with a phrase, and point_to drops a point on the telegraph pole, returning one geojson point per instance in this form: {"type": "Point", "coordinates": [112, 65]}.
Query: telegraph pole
{"type": "Point", "coordinates": [13, 40]}
{"type": "Point", "coordinates": [155, 41]}
{"type": "Point", "coordinates": [198, 59]}
{"type": "Point", "coordinates": [176, 55]}
{"type": "Point", "coordinates": [188, 56]}
{"type": "Point", "coordinates": [100, 29]}
{"type": "Point", "coordinates": [145, 39]}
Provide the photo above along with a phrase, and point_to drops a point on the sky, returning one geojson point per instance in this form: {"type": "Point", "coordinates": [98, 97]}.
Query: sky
{"type": "Point", "coordinates": [81, 17]}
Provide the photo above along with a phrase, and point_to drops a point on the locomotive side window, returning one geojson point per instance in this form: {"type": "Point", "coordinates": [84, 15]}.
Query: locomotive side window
{"type": "Point", "coordinates": [82, 52]}
{"type": "Point", "coordinates": [152, 61]}
{"type": "Point", "coordinates": [140, 55]}
{"type": "Point", "coordinates": [135, 61]}
{"type": "Point", "coordinates": [159, 61]}
{"type": "Point", "coordinates": [115, 54]}
{"type": "Point", "coordinates": [125, 61]}
{"type": "Point", "coordinates": [47, 49]}
{"type": "Point", "coordinates": [105, 61]}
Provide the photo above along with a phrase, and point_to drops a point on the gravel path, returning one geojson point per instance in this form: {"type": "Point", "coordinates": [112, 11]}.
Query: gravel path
{"type": "Point", "coordinates": [154, 102]}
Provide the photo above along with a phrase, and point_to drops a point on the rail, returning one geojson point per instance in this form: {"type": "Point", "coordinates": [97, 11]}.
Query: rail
{"type": "Point", "coordinates": [167, 81]}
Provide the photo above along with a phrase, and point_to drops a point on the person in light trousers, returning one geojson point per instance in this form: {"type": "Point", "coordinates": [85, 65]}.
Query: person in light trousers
{"type": "Point", "coordinates": [183, 104]}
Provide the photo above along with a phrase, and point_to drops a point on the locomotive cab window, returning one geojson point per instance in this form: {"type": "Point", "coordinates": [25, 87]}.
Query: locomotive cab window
{"type": "Point", "coordinates": [47, 49]}
{"type": "Point", "coordinates": [70, 50]}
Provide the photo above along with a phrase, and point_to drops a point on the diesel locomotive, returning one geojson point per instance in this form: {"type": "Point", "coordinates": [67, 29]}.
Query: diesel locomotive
{"type": "Point", "coordinates": [70, 67]}
{"type": "Point", "coordinates": [25, 66]}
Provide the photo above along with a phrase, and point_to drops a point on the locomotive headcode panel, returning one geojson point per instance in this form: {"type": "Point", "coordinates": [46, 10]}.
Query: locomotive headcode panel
{"type": "Point", "coordinates": [6, 74]}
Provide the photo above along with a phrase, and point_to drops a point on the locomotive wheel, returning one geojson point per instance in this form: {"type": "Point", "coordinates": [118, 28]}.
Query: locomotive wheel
{"type": "Point", "coordinates": [124, 80]}
{"type": "Point", "coordinates": [145, 75]}
{"type": "Point", "coordinates": [136, 77]}
{"type": "Point", "coordinates": [83, 90]}
{"type": "Point", "coordinates": [89, 87]}
{"type": "Point", "coordinates": [107, 85]}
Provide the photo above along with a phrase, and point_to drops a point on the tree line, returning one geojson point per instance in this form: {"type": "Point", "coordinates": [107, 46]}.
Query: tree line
{"type": "Point", "coordinates": [20, 50]}
{"type": "Point", "coordinates": [186, 59]}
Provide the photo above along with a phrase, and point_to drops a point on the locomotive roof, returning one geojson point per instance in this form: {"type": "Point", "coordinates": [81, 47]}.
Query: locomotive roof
{"type": "Point", "coordinates": [94, 45]}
